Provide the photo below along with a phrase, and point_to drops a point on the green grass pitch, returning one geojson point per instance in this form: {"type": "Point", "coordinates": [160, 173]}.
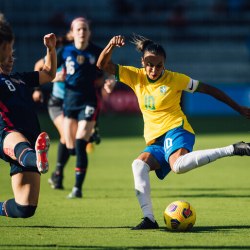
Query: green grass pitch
{"type": "Point", "coordinates": [220, 193]}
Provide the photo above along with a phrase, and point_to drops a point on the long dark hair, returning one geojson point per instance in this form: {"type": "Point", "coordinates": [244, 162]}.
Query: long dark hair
{"type": "Point", "coordinates": [6, 32]}
{"type": "Point", "coordinates": [144, 44]}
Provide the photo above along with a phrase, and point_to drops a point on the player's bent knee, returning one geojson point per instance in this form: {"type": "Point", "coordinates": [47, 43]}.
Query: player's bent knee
{"type": "Point", "coordinates": [136, 165]}
{"type": "Point", "coordinates": [26, 211]}
{"type": "Point", "coordinates": [15, 210]}
{"type": "Point", "coordinates": [177, 166]}
{"type": "Point", "coordinates": [139, 167]}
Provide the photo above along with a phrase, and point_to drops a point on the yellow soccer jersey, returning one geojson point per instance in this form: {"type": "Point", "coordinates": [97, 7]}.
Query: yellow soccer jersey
{"type": "Point", "coordinates": [159, 101]}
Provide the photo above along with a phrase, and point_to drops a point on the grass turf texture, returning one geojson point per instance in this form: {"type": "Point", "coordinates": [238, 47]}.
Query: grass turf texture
{"type": "Point", "coordinates": [219, 192]}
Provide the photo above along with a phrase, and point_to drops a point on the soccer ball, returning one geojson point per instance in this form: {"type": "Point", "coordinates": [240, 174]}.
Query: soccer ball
{"type": "Point", "coordinates": [179, 216]}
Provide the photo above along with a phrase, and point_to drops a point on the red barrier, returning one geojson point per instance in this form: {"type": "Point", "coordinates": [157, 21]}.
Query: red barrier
{"type": "Point", "coordinates": [122, 101]}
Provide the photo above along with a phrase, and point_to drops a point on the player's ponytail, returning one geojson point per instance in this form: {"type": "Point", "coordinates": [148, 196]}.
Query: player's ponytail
{"type": "Point", "coordinates": [140, 42]}
{"type": "Point", "coordinates": [144, 44]}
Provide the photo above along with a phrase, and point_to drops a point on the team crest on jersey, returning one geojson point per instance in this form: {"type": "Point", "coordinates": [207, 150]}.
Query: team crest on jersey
{"type": "Point", "coordinates": [80, 59]}
{"type": "Point", "coordinates": [92, 59]}
{"type": "Point", "coordinates": [163, 89]}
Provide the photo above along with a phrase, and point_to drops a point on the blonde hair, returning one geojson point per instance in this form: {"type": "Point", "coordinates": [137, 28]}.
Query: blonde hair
{"type": "Point", "coordinates": [77, 19]}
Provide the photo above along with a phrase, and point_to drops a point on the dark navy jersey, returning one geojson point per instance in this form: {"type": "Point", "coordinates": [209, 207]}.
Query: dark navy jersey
{"type": "Point", "coordinates": [17, 110]}
{"type": "Point", "coordinates": [81, 72]}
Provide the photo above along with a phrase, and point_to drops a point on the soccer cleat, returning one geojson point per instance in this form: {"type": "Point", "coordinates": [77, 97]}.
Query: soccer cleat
{"type": "Point", "coordinates": [146, 224]}
{"type": "Point", "coordinates": [95, 137]}
{"type": "Point", "coordinates": [241, 148]}
{"type": "Point", "coordinates": [42, 147]}
{"type": "Point", "coordinates": [55, 181]}
{"type": "Point", "coordinates": [76, 193]}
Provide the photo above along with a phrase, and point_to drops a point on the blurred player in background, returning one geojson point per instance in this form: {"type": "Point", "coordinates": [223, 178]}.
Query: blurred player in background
{"type": "Point", "coordinates": [81, 104]}
{"type": "Point", "coordinates": [55, 104]}
{"type": "Point", "coordinates": [21, 142]}
{"type": "Point", "coordinates": [55, 109]}
{"type": "Point", "coordinates": [6, 39]}
{"type": "Point", "coordinates": [168, 134]}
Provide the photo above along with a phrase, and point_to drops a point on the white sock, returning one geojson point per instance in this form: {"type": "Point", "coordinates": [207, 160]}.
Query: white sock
{"type": "Point", "coordinates": [142, 187]}
{"type": "Point", "coordinates": [199, 158]}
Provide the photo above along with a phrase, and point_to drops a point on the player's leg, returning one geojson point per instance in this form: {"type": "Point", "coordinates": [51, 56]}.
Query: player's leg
{"type": "Point", "coordinates": [17, 147]}
{"type": "Point", "coordinates": [70, 125]}
{"type": "Point", "coordinates": [181, 161]}
{"type": "Point", "coordinates": [82, 137]}
{"type": "Point", "coordinates": [56, 179]}
{"type": "Point", "coordinates": [141, 168]}
{"type": "Point", "coordinates": [152, 158]}
{"type": "Point", "coordinates": [26, 188]}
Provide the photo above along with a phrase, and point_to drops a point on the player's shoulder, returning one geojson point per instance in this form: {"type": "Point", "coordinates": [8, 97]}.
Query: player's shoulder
{"type": "Point", "coordinates": [176, 76]}
{"type": "Point", "coordinates": [66, 48]}
{"type": "Point", "coordinates": [24, 77]}
{"type": "Point", "coordinates": [131, 69]}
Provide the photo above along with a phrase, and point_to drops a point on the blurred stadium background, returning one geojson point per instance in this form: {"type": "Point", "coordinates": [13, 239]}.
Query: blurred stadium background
{"type": "Point", "coordinates": [208, 40]}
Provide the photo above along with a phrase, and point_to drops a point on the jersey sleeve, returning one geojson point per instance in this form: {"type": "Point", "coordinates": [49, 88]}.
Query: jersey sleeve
{"type": "Point", "coordinates": [127, 75]}
{"type": "Point", "coordinates": [192, 85]}
{"type": "Point", "coordinates": [185, 82]}
{"type": "Point", "coordinates": [30, 78]}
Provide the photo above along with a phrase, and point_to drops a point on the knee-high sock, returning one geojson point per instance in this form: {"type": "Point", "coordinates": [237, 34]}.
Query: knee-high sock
{"type": "Point", "coordinates": [25, 154]}
{"type": "Point", "coordinates": [142, 187]}
{"type": "Point", "coordinates": [62, 158]}
{"type": "Point", "coordinates": [199, 158]}
{"type": "Point", "coordinates": [14, 210]}
{"type": "Point", "coordinates": [81, 162]}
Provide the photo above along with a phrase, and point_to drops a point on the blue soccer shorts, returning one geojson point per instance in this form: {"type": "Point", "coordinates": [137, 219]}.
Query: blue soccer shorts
{"type": "Point", "coordinates": [167, 144]}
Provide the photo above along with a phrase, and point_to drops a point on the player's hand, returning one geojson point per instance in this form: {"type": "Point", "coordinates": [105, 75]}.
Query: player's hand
{"type": "Point", "coordinates": [109, 85]}
{"type": "Point", "coordinates": [37, 96]}
{"type": "Point", "coordinates": [60, 76]}
{"type": "Point", "coordinates": [50, 41]}
{"type": "Point", "coordinates": [117, 41]}
{"type": "Point", "coordinates": [245, 111]}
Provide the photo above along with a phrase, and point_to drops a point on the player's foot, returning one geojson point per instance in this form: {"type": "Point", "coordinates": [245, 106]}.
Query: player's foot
{"type": "Point", "coordinates": [42, 147]}
{"type": "Point", "coordinates": [241, 148]}
{"type": "Point", "coordinates": [76, 193]}
{"type": "Point", "coordinates": [55, 181]}
{"type": "Point", "coordinates": [146, 224]}
{"type": "Point", "coordinates": [95, 137]}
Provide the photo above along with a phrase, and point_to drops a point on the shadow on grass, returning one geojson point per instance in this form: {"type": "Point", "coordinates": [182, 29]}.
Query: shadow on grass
{"type": "Point", "coordinates": [54, 246]}
{"type": "Point", "coordinates": [196, 229]}
{"type": "Point", "coordinates": [209, 229]}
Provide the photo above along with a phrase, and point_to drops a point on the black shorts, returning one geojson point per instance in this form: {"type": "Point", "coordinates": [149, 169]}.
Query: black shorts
{"type": "Point", "coordinates": [15, 167]}
{"type": "Point", "coordinates": [88, 113]}
{"type": "Point", "coordinates": [55, 107]}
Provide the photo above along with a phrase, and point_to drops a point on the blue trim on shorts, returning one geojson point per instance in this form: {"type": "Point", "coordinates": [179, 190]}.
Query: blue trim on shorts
{"type": "Point", "coordinates": [167, 144]}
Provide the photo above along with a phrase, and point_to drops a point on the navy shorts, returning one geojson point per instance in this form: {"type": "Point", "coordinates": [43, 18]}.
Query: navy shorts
{"type": "Point", "coordinates": [88, 113]}
{"type": "Point", "coordinates": [15, 167]}
{"type": "Point", "coordinates": [167, 144]}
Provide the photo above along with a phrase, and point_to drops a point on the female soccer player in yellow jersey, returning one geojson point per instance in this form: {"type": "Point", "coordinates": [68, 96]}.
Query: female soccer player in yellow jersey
{"type": "Point", "coordinates": [169, 136]}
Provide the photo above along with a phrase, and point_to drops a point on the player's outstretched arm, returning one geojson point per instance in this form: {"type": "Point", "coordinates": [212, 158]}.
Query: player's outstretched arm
{"type": "Point", "coordinates": [221, 96]}
{"type": "Point", "coordinates": [48, 73]}
{"type": "Point", "coordinates": [104, 61]}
